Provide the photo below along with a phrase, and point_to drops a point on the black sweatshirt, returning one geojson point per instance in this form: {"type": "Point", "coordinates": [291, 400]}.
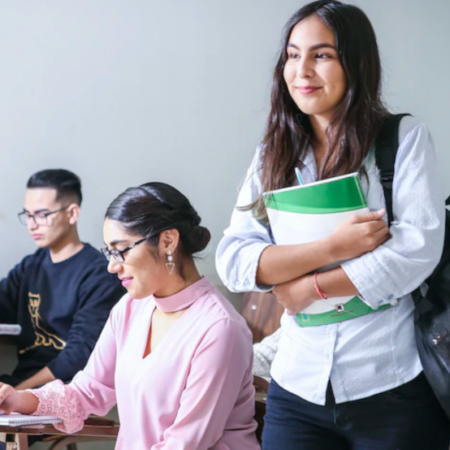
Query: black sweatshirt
{"type": "Point", "coordinates": [62, 308]}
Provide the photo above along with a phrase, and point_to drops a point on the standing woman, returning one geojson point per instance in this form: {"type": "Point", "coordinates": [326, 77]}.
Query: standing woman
{"type": "Point", "coordinates": [356, 384]}
{"type": "Point", "coordinates": [175, 355]}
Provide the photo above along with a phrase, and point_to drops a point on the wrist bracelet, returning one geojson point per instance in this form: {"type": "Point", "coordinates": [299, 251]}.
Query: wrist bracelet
{"type": "Point", "coordinates": [321, 294]}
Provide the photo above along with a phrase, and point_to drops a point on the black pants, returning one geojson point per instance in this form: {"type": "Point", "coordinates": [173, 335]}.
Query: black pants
{"type": "Point", "coordinates": [406, 418]}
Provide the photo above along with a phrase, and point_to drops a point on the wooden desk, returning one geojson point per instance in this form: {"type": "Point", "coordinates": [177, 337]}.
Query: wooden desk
{"type": "Point", "coordinates": [92, 430]}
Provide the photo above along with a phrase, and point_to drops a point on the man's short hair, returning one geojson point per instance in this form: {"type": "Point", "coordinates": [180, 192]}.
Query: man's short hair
{"type": "Point", "coordinates": [66, 184]}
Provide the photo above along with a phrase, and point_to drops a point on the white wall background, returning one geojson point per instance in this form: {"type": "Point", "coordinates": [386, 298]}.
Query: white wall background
{"type": "Point", "coordinates": [128, 91]}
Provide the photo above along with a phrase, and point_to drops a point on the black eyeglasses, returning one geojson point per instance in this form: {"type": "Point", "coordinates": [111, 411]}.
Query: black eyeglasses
{"type": "Point", "coordinates": [38, 219]}
{"type": "Point", "coordinates": [118, 255]}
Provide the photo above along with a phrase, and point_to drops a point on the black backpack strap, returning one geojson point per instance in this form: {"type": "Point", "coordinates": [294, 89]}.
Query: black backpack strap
{"type": "Point", "coordinates": [386, 146]}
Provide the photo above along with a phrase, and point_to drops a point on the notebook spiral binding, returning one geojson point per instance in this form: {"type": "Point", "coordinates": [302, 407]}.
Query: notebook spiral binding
{"type": "Point", "coordinates": [30, 422]}
{"type": "Point", "coordinates": [22, 420]}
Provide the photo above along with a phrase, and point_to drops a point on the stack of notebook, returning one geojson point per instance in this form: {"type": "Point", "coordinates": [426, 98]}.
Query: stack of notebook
{"type": "Point", "coordinates": [310, 212]}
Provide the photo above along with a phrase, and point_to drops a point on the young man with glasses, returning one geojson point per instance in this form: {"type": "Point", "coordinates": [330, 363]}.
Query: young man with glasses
{"type": "Point", "coordinates": [62, 294]}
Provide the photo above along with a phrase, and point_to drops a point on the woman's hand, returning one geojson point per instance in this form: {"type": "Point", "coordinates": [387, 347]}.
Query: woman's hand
{"type": "Point", "coordinates": [12, 400]}
{"type": "Point", "coordinates": [296, 295]}
{"type": "Point", "coordinates": [9, 399]}
{"type": "Point", "coordinates": [358, 235]}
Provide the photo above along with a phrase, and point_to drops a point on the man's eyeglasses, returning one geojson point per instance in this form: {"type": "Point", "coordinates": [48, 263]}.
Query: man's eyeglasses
{"type": "Point", "coordinates": [38, 219]}
{"type": "Point", "coordinates": [118, 255]}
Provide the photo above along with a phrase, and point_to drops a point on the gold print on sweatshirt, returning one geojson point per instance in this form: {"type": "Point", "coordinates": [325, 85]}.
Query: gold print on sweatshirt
{"type": "Point", "coordinates": [43, 337]}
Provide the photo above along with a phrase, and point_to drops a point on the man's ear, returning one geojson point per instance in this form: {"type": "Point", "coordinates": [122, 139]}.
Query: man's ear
{"type": "Point", "coordinates": [73, 211]}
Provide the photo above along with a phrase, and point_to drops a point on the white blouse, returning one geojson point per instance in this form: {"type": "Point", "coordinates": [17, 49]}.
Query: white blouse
{"type": "Point", "coordinates": [376, 352]}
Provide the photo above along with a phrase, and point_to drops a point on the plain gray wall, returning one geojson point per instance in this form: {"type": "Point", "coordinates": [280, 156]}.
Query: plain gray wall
{"type": "Point", "coordinates": [124, 92]}
{"type": "Point", "coordinates": [128, 91]}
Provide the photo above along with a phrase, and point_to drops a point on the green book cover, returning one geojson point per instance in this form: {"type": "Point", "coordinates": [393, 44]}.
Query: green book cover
{"type": "Point", "coordinates": [310, 212]}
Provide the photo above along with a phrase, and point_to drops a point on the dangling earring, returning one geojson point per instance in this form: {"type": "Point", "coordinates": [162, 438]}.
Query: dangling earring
{"type": "Point", "coordinates": [169, 264]}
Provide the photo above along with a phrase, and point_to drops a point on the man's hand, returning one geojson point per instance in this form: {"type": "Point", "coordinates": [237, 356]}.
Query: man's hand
{"type": "Point", "coordinates": [296, 295]}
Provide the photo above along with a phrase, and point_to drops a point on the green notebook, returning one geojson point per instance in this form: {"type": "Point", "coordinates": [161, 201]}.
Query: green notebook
{"type": "Point", "coordinates": [310, 212]}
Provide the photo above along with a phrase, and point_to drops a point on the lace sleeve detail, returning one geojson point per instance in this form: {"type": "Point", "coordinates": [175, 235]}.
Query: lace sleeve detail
{"type": "Point", "coordinates": [60, 400]}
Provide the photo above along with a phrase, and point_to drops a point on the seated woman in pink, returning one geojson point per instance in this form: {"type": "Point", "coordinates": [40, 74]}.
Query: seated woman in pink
{"type": "Point", "coordinates": [175, 355]}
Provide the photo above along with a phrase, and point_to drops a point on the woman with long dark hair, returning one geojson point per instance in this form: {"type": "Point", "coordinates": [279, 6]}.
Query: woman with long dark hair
{"type": "Point", "coordinates": [175, 355]}
{"type": "Point", "coordinates": [354, 384]}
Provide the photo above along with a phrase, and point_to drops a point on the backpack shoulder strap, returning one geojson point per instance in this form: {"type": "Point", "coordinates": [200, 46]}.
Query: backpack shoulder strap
{"type": "Point", "coordinates": [386, 146]}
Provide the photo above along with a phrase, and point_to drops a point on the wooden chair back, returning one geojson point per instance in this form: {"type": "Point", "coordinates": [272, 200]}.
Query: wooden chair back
{"type": "Point", "coordinates": [262, 313]}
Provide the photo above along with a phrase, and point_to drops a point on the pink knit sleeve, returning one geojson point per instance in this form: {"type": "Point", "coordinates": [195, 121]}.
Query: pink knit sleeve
{"type": "Point", "coordinates": [60, 400]}
{"type": "Point", "coordinates": [92, 391]}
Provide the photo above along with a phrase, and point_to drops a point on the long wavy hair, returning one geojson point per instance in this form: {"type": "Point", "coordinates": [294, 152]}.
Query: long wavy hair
{"type": "Point", "coordinates": [357, 119]}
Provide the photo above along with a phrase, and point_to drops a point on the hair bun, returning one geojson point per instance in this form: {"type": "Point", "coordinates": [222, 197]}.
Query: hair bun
{"type": "Point", "coordinates": [198, 239]}
{"type": "Point", "coordinates": [194, 218]}
{"type": "Point", "coordinates": [159, 206]}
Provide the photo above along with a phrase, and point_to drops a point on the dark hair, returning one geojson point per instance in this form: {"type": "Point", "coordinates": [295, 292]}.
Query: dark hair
{"type": "Point", "coordinates": [151, 208]}
{"type": "Point", "coordinates": [66, 184]}
{"type": "Point", "coordinates": [353, 129]}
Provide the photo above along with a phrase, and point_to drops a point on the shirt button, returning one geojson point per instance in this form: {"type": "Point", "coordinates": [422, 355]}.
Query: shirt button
{"type": "Point", "coordinates": [391, 297]}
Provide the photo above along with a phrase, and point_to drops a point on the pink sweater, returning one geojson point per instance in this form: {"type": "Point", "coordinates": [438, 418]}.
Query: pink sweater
{"type": "Point", "coordinates": [193, 392]}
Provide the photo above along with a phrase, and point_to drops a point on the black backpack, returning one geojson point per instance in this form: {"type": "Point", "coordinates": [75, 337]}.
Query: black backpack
{"type": "Point", "coordinates": [432, 311]}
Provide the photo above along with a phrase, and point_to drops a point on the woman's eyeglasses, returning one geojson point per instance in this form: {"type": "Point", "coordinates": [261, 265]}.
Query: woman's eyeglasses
{"type": "Point", "coordinates": [118, 255]}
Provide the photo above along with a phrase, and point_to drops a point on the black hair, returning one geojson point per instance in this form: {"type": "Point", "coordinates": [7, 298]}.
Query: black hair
{"type": "Point", "coordinates": [152, 208]}
{"type": "Point", "coordinates": [66, 184]}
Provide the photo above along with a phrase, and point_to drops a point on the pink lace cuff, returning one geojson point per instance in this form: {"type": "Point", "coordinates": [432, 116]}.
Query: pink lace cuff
{"type": "Point", "coordinates": [60, 400]}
